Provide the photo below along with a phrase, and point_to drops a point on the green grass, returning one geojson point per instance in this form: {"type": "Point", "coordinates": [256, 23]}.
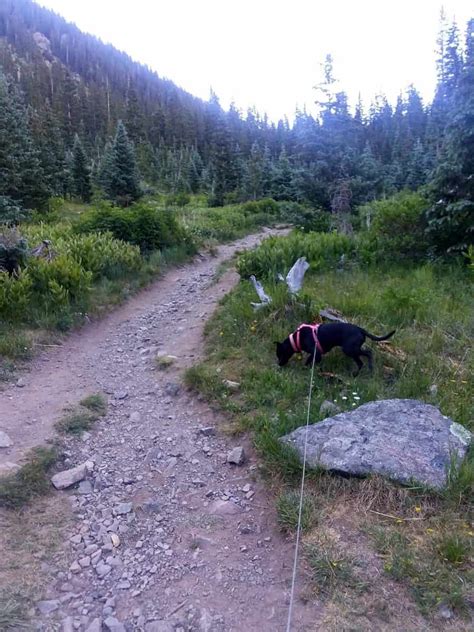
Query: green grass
{"type": "Point", "coordinates": [288, 512]}
{"type": "Point", "coordinates": [30, 481]}
{"type": "Point", "coordinates": [96, 403]}
{"type": "Point", "coordinates": [12, 611]}
{"type": "Point", "coordinates": [83, 417]}
{"type": "Point", "coordinates": [431, 306]}
{"type": "Point", "coordinates": [423, 564]}
{"type": "Point", "coordinates": [330, 567]}
{"type": "Point", "coordinates": [217, 225]}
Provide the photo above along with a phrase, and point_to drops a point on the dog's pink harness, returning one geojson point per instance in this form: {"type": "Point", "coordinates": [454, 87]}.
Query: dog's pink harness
{"type": "Point", "coordinates": [295, 338]}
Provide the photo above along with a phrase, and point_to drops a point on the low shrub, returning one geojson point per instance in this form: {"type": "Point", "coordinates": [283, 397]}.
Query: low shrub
{"type": "Point", "coordinates": [142, 224]}
{"type": "Point", "coordinates": [266, 205]}
{"type": "Point", "coordinates": [59, 283]}
{"type": "Point", "coordinates": [304, 218]}
{"type": "Point", "coordinates": [15, 296]}
{"type": "Point", "coordinates": [394, 228]}
{"type": "Point", "coordinates": [278, 254]}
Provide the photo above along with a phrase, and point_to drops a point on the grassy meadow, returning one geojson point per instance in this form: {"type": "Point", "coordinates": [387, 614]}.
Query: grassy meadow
{"type": "Point", "coordinates": [360, 536]}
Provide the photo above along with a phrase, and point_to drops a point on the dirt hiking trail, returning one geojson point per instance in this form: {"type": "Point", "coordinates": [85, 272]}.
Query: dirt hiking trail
{"type": "Point", "coordinates": [166, 535]}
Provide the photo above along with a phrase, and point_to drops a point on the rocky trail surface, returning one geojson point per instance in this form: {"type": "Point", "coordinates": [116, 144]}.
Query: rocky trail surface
{"type": "Point", "coordinates": [167, 535]}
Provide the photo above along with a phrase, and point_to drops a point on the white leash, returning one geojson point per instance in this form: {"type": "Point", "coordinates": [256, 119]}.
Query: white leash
{"type": "Point", "coordinates": [298, 532]}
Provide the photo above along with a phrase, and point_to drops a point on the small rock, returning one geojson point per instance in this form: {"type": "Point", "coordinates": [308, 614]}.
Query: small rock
{"type": "Point", "coordinates": [151, 506]}
{"type": "Point", "coordinates": [85, 562]}
{"type": "Point", "coordinates": [223, 507]}
{"type": "Point", "coordinates": [75, 567]}
{"type": "Point", "coordinates": [120, 394]}
{"type": "Point", "coordinates": [236, 456]}
{"type": "Point", "coordinates": [434, 389]}
{"type": "Point", "coordinates": [246, 488]}
{"type": "Point", "coordinates": [329, 408]}
{"type": "Point", "coordinates": [95, 626]}
{"type": "Point", "coordinates": [102, 569]}
{"type": "Point", "coordinates": [445, 612]}
{"type": "Point", "coordinates": [208, 431]}
{"type": "Point", "coordinates": [232, 386]}
{"type": "Point", "coordinates": [65, 479]}
{"type": "Point", "coordinates": [115, 540]}
{"type": "Point", "coordinates": [8, 467]}
{"type": "Point", "coordinates": [68, 624]}
{"type": "Point", "coordinates": [46, 607]}
{"type": "Point", "coordinates": [123, 508]}
{"type": "Point", "coordinates": [159, 626]}
{"type": "Point", "coordinates": [124, 585]}
{"type": "Point", "coordinates": [5, 441]}
{"type": "Point", "coordinates": [135, 417]}
{"type": "Point", "coordinates": [85, 487]}
{"type": "Point", "coordinates": [20, 383]}
{"type": "Point", "coordinates": [114, 625]}
{"type": "Point", "coordinates": [172, 389]}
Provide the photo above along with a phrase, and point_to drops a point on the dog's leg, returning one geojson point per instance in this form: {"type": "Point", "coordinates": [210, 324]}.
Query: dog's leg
{"type": "Point", "coordinates": [359, 363]}
{"type": "Point", "coordinates": [317, 360]}
{"type": "Point", "coordinates": [368, 354]}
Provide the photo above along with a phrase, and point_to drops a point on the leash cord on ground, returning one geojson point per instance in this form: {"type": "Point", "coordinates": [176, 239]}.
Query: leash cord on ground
{"type": "Point", "coordinates": [300, 512]}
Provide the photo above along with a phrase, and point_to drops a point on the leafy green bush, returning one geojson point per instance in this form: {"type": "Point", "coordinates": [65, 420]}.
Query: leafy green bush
{"type": "Point", "coordinates": [278, 254]}
{"type": "Point", "coordinates": [59, 283]}
{"type": "Point", "coordinates": [102, 255]}
{"type": "Point", "coordinates": [306, 219]}
{"type": "Point", "coordinates": [394, 228]}
{"type": "Point", "coordinates": [15, 296]}
{"type": "Point", "coordinates": [142, 225]}
{"type": "Point", "coordinates": [266, 205]}
{"type": "Point", "coordinates": [179, 199]}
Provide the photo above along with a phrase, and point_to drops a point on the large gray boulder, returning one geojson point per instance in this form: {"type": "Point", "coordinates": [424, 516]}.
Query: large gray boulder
{"type": "Point", "coordinates": [402, 439]}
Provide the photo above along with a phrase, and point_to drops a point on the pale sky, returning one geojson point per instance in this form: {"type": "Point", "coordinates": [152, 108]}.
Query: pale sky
{"type": "Point", "coordinates": [268, 53]}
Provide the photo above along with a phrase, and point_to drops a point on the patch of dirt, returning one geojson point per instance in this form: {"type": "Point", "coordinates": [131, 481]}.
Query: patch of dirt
{"type": "Point", "coordinates": [166, 535]}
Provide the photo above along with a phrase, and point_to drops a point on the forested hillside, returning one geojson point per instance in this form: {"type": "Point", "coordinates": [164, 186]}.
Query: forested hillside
{"type": "Point", "coordinates": [63, 92]}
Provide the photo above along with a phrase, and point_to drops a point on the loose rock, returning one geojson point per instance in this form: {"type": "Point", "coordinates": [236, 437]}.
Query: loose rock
{"type": "Point", "coordinates": [65, 479]}
{"type": "Point", "coordinates": [95, 626]}
{"type": "Point", "coordinates": [5, 441]}
{"type": "Point", "coordinates": [123, 509]}
{"type": "Point", "coordinates": [114, 625]}
{"type": "Point", "coordinates": [236, 456]}
{"type": "Point", "coordinates": [329, 408]}
{"type": "Point", "coordinates": [232, 386]}
{"type": "Point", "coordinates": [48, 606]}
{"type": "Point", "coordinates": [159, 626]}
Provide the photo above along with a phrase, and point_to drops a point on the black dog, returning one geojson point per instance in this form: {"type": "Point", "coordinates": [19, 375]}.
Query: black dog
{"type": "Point", "coordinates": [319, 339]}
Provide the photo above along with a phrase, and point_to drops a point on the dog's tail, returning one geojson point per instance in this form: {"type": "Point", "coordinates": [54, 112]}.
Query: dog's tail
{"type": "Point", "coordinates": [379, 338]}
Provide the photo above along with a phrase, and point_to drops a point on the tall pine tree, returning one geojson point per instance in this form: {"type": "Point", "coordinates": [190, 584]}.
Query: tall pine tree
{"type": "Point", "coordinates": [120, 177]}
{"type": "Point", "coordinates": [450, 218]}
{"type": "Point", "coordinates": [81, 173]}
{"type": "Point", "coordinates": [21, 176]}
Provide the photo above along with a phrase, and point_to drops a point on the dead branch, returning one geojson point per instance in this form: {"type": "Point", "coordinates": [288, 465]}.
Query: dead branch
{"type": "Point", "coordinates": [294, 281]}
{"type": "Point", "coordinates": [43, 251]}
